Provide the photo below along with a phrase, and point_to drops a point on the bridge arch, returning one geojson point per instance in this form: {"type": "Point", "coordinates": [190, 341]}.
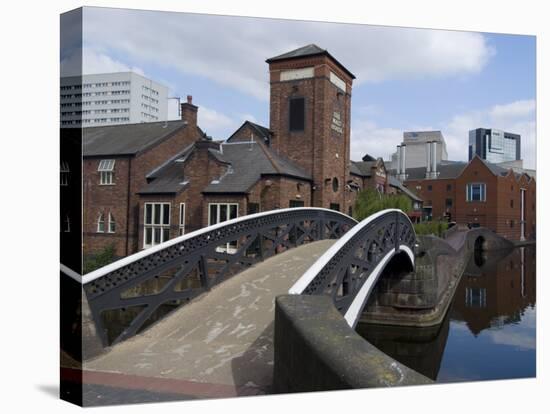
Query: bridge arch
{"type": "Point", "coordinates": [350, 268]}
{"type": "Point", "coordinates": [479, 243]}
{"type": "Point", "coordinates": [209, 255]}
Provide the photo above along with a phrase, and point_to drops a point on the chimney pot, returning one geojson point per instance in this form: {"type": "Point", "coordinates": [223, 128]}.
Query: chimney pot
{"type": "Point", "coordinates": [189, 112]}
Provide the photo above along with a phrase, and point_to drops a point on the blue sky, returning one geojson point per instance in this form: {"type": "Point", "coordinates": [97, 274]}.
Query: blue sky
{"type": "Point", "coordinates": [407, 79]}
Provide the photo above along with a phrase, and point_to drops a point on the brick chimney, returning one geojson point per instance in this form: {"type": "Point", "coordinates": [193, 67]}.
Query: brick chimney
{"type": "Point", "coordinates": [189, 112]}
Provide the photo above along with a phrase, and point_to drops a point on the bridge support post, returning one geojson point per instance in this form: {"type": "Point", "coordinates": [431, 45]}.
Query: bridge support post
{"type": "Point", "coordinates": [203, 269]}
{"type": "Point", "coordinates": [396, 235]}
{"type": "Point", "coordinates": [321, 226]}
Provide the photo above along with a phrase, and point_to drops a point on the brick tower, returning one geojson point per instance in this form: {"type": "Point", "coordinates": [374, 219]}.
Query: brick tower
{"type": "Point", "coordinates": [310, 105]}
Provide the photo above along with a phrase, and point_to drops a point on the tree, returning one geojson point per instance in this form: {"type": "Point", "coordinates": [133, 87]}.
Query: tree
{"type": "Point", "coordinates": [103, 258]}
{"type": "Point", "coordinates": [370, 201]}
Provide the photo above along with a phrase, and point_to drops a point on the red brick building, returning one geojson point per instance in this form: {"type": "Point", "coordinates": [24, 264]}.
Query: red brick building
{"type": "Point", "coordinates": [147, 183]}
{"type": "Point", "coordinates": [116, 162]}
{"type": "Point", "coordinates": [478, 194]}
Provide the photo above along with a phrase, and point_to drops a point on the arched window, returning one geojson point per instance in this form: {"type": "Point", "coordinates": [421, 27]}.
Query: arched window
{"type": "Point", "coordinates": [335, 184]}
{"type": "Point", "coordinates": [101, 223]}
{"type": "Point", "coordinates": [111, 223]}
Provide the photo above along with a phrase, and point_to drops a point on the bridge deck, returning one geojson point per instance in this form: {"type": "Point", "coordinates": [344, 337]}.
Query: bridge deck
{"type": "Point", "coordinates": [224, 337]}
{"type": "Point", "coordinates": [456, 240]}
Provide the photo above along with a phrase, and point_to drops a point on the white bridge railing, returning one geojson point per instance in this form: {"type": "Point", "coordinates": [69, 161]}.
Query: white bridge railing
{"type": "Point", "coordinates": [349, 269]}
{"type": "Point", "coordinates": [140, 289]}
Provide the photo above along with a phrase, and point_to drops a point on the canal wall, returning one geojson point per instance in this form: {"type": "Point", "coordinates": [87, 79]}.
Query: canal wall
{"type": "Point", "coordinates": [421, 297]}
{"type": "Point", "coordinates": [316, 350]}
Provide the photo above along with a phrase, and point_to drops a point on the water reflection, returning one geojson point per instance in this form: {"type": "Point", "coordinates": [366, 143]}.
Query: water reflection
{"type": "Point", "coordinates": [497, 293]}
{"type": "Point", "coordinates": [418, 348]}
{"type": "Point", "coordinates": [489, 331]}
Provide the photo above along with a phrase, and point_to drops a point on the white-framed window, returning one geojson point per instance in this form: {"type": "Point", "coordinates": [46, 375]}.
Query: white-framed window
{"type": "Point", "coordinates": [101, 223]}
{"type": "Point", "coordinates": [182, 219]}
{"type": "Point", "coordinates": [476, 192]}
{"type": "Point", "coordinates": [64, 173]}
{"type": "Point", "coordinates": [111, 224]}
{"type": "Point", "coordinates": [156, 223]}
{"type": "Point", "coordinates": [476, 297]}
{"type": "Point", "coordinates": [220, 212]}
{"type": "Point", "coordinates": [106, 172]}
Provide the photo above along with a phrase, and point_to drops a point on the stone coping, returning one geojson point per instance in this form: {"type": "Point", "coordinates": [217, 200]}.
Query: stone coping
{"type": "Point", "coordinates": [316, 350]}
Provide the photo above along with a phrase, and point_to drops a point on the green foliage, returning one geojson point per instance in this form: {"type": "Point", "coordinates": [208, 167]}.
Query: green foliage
{"type": "Point", "coordinates": [437, 228]}
{"type": "Point", "coordinates": [103, 258]}
{"type": "Point", "coordinates": [370, 201]}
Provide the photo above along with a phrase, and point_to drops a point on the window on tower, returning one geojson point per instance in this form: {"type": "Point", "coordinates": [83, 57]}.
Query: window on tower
{"type": "Point", "coordinates": [297, 114]}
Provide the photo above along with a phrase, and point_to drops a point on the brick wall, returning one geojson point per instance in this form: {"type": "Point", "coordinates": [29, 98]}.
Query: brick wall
{"type": "Point", "coordinates": [435, 193]}
{"type": "Point", "coordinates": [122, 198]}
{"type": "Point", "coordinates": [200, 169]}
{"type": "Point", "coordinates": [104, 199]}
{"type": "Point", "coordinates": [500, 212]}
{"type": "Point", "coordinates": [319, 149]}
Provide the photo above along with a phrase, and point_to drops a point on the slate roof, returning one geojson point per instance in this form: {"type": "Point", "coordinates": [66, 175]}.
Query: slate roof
{"type": "Point", "coordinates": [262, 131]}
{"type": "Point", "coordinates": [126, 139]}
{"type": "Point", "coordinates": [445, 171]}
{"type": "Point", "coordinates": [308, 50]}
{"type": "Point", "coordinates": [368, 157]}
{"type": "Point", "coordinates": [449, 169]}
{"type": "Point", "coordinates": [247, 162]}
{"type": "Point", "coordinates": [394, 182]}
{"type": "Point", "coordinates": [364, 168]}
{"type": "Point", "coordinates": [354, 169]}
{"type": "Point", "coordinates": [168, 177]}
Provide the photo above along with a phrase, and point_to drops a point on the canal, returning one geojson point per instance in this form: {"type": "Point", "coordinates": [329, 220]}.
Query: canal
{"type": "Point", "coordinates": [489, 331]}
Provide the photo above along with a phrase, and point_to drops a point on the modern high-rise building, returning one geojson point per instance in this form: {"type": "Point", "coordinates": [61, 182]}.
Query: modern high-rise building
{"type": "Point", "coordinates": [111, 99]}
{"type": "Point", "coordinates": [417, 148]}
{"type": "Point", "coordinates": [494, 145]}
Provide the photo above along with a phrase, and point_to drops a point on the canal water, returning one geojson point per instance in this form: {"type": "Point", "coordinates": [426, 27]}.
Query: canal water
{"type": "Point", "coordinates": [489, 331]}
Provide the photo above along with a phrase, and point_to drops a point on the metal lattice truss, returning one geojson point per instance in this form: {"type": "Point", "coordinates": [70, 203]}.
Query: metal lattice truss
{"type": "Point", "coordinates": [148, 284]}
{"type": "Point", "coordinates": [349, 269]}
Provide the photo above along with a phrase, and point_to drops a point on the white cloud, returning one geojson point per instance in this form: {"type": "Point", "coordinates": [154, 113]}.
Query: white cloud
{"type": "Point", "coordinates": [515, 109]}
{"type": "Point", "coordinates": [93, 61]}
{"type": "Point", "coordinates": [249, 117]}
{"type": "Point", "coordinates": [232, 50]}
{"type": "Point", "coordinates": [516, 117]}
{"type": "Point", "coordinates": [521, 335]}
{"type": "Point", "coordinates": [368, 138]}
{"type": "Point", "coordinates": [215, 123]}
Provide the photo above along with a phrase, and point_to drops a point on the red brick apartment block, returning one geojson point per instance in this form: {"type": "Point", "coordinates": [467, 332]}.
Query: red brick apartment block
{"type": "Point", "coordinates": [479, 194]}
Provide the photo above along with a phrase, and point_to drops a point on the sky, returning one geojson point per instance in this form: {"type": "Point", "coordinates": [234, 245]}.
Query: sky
{"type": "Point", "coordinates": [407, 79]}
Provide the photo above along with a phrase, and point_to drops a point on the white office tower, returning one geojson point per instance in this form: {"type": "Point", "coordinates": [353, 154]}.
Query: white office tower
{"type": "Point", "coordinates": [111, 99]}
{"type": "Point", "coordinates": [417, 144]}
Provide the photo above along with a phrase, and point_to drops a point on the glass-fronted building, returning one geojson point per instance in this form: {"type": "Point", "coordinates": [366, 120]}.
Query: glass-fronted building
{"type": "Point", "coordinates": [494, 145]}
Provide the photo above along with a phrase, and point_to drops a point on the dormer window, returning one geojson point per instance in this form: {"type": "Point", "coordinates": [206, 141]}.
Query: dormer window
{"type": "Point", "coordinates": [64, 173]}
{"type": "Point", "coordinates": [106, 172]}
